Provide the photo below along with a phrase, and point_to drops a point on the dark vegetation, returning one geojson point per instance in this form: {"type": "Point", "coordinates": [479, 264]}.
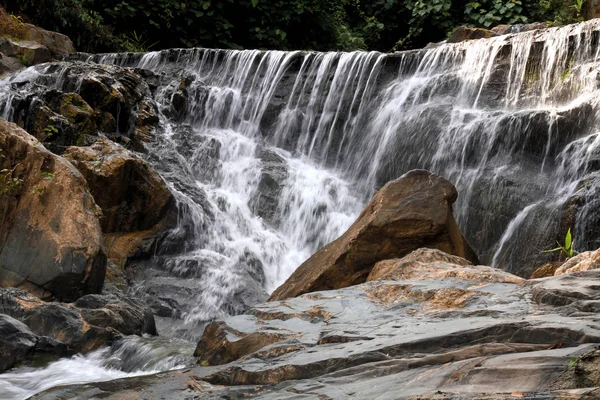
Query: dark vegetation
{"type": "Point", "coordinates": [135, 25]}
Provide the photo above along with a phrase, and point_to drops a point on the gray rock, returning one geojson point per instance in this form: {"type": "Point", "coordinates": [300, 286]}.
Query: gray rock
{"type": "Point", "coordinates": [16, 341]}
{"type": "Point", "coordinates": [28, 52]}
{"type": "Point", "coordinates": [441, 330]}
{"type": "Point", "coordinates": [93, 321]}
{"type": "Point", "coordinates": [265, 200]}
{"type": "Point", "coordinates": [9, 65]}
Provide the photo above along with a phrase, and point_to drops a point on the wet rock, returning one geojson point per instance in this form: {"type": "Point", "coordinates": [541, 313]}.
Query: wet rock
{"type": "Point", "coordinates": [392, 269]}
{"type": "Point", "coordinates": [442, 329]}
{"type": "Point", "coordinates": [16, 342]}
{"type": "Point", "coordinates": [517, 28]}
{"type": "Point", "coordinates": [273, 174]}
{"type": "Point", "coordinates": [57, 43]}
{"type": "Point", "coordinates": [116, 101]}
{"type": "Point", "coordinates": [50, 237]}
{"type": "Point", "coordinates": [91, 322]}
{"type": "Point", "coordinates": [28, 52]}
{"type": "Point", "coordinates": [18, 345]}
{"type": "Point", "coordinates": [146, 125]}
{"type": "Point", "coordinates": [221, 344]}
{"type": "Point", "coordinates": [9, 65]}
{"type": "Point", "coordinates": [545, 270]}
{"type": "Point", "coordinates": [131, 195]}
{"type": "Point", "coordinates": [125, 314]}
{"type": "Point", "coordinates": [411, 212]}
{"type": "Point", "coordinates": [463, 33]}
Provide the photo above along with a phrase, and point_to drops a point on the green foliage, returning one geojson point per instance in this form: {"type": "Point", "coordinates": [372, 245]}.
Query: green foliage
{"type": "Point", "coordinates": [135, 43]}
{"type": "Point", "coordinates": [567, 249]}
{"type": "Point", "coordinates": [129, 25]}
{"type": "Point", "coordinates": [50, 131]}
{"type": "Point", "coordinates": [9, 183]}
{"type": "Point", "coordinates": [495, 12]}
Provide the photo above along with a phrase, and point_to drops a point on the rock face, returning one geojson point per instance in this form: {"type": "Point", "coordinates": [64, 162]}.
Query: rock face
{"type": "Point", "coordinates": [30, 327]}
{"type": "Point", "coordinates": [89, 99]}
{"type": "Point", "coordinates": [131, 195]}
{"type": "Point", "coordinates": [272, 179]}
{"type": "Point", "coordinates": [437, 327]}
{"type": "Point", "coordinates": [408, 213]}
{"type": "Point", "coordinates": [56, 43]}
{"type": "Point", "coordinates": [50, 237]}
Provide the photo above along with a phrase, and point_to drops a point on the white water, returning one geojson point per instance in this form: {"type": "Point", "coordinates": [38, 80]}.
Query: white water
{"type": "Point", "coordinates": [128, 358]}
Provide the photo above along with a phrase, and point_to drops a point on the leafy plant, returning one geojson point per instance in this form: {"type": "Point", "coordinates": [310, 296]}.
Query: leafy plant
{"type": "Point", "coordinates": [135, 43]}
{"type": "Point", "coordinates": [47, 175]}
{"type": "Point", "coordinates": [8, 182]}
{"type": "Point", "coordinates": [50, 131]}
{"type": "Point", "coordinates": [578, 8]}
{"type": "Point", "coordinates": [567, 249]}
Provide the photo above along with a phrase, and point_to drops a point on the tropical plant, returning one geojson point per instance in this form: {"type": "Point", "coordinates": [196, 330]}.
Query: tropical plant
{"type": "Point", "coordinates": [567, 249]}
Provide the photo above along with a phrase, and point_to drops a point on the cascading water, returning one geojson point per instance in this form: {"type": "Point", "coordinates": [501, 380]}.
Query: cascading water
{"type": "Point", "coordinates": [273, 154]}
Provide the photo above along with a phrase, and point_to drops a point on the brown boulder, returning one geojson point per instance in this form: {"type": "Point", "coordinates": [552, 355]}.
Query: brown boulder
{"type": "Point", "coordinates": [28, 52]}
{"type": "Point", "coordinates": [57, 43]}
{"type": "Point", "coordinates": [545, 270]}
{"type": "Point", "coordinates": [130, 193]}
{"type": "Point", "coordinates": [463, 33]}
{"type": "Point", "coordinates": [221, 344]}
{"type": "Point", "coordinates": [50, 237]}
{"type": "Point", "coordinates": [435, 264]}
{"type": "Point", "coordinates": [408, 213]}
{"type": "Point", "coordinates": [581, 262]}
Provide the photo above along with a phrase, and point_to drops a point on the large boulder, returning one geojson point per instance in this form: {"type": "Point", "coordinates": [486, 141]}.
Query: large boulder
{"type": "Point", "coordinates": [18, 344]}
{"type": "Point", "coordinates": [56, 43]}
{"type": "Point", "coordinates": [137, 206]}
{"type": "Point", "coordinates": [408, 213]}
{"type": "Point", "coordinates": [28, 52]}
{"type": "Point", "coordinates": [89, 323]}
{"type": "Point", "coordinates": [50, 236]}
{"type": "Point", "coordinates": [463, 33]}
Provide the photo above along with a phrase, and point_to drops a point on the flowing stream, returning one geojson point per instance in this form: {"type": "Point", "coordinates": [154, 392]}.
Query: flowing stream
{"type": "Point", "coordinates": [274, 154]}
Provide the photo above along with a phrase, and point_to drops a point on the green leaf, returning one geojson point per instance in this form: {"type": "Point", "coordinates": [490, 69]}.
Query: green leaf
{"type": "Point", "coordinates": [568, 239]}
{"type": "Point", "coordinates": [571, 363]}
{"type": "Point", "coordinates": [552, 250]}
{"type": "Point", "coordinates": [254, 3]}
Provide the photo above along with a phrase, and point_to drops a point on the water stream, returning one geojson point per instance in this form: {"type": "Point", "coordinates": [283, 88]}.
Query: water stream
{"type": "Point", "coordinates": [511, 121]}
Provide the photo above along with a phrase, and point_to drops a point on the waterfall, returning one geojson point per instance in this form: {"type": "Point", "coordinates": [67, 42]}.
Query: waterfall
{"type": "Point", "coordinates": [510, 120]}
{"type": "Point", "coordinates": [273, 154]}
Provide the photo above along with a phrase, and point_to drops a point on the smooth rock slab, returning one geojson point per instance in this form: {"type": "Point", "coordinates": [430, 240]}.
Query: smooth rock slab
{"type": "Point", "coordinates": [397, 340]}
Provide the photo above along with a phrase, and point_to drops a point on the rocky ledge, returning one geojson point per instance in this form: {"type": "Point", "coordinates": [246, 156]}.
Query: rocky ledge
{"type": "Point", "coordinates": [436, 327]}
